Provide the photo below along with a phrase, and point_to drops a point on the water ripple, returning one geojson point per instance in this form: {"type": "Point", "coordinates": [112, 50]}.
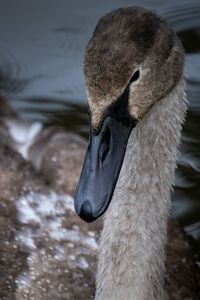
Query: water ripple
{"type": "Point", "coordinates": [10, 82]}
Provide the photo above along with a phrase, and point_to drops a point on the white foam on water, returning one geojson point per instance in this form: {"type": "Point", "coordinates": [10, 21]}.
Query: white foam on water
{"type": "Point", "coordinates": [23, 279]}
{"type": "Point", "coordinates": [42, 218]}
{"type": "Point", "coordinates": [25, 238]}
{"type": "Point", "coordinates": [23, 134]}
{"type": "Point", "coordinates": [74, 236]}
{"type": "Point", "coordinates": [38, 208]}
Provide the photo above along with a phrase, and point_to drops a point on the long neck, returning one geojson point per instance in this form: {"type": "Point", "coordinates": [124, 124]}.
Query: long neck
{"type": "Point", "coordinates": [132, 250]}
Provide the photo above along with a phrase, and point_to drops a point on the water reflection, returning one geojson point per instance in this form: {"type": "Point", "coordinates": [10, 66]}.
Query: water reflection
{"type": "Point", "coordinates": [70, 115]}
{"type": "Point", "coordinates": [185, 19]}
{"type": "Point", "coordinates": [9, 75]}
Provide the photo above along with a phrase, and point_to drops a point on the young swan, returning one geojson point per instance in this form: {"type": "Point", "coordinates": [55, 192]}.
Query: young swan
{"type": "Point", "coordinates": [134, 81]}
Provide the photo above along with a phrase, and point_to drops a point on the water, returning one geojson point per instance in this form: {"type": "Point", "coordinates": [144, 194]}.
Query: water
{"type": "Point", "coordinates": [41, 54]}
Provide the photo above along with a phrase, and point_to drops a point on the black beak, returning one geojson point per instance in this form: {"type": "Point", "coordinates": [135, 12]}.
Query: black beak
{"type": "Point", "coordinates": [103, 161]}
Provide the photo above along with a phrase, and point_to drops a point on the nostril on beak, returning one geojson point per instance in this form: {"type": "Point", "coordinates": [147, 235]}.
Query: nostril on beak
{"type": "Point", "coordinates": [105, 148]}
{"type": "Point", "coordinates": [86, 212]}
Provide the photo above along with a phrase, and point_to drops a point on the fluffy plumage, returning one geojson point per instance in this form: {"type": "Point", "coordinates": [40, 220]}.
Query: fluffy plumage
{"type": "Point", "coordinates": [125, 41]}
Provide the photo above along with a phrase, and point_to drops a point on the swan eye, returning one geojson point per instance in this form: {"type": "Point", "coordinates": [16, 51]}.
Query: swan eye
{"type": "Point", "coordinates": [135, 76]}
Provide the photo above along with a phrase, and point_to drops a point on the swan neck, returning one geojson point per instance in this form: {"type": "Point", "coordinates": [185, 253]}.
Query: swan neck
{"type": "Point", "coordinates": [132, 249]}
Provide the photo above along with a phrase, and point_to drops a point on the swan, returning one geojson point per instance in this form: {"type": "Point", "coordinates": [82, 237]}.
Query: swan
{"type": "Point", "coordinates": [137, 104]}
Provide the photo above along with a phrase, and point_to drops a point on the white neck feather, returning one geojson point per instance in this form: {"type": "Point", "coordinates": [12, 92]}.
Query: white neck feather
{"type": "Point", "coordinates": [131, 262]}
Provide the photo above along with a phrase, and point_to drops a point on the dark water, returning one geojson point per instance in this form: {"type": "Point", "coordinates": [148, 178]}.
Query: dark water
{"type": "Point", "coordinates": [41, 52]}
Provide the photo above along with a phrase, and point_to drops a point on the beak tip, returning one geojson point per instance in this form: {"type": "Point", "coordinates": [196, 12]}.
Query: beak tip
{"type": "Point", "coordinates": [85, 212]}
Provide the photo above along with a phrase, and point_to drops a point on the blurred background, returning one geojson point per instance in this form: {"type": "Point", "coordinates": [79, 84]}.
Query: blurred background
{"type": "Point", "coordinates": [41, 58]}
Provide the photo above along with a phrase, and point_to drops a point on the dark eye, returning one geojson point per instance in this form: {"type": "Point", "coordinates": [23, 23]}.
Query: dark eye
{"type": "Point", "coordinates": [135, 76]}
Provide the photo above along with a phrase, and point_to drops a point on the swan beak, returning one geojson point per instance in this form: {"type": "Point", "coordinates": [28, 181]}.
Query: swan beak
{"type": "Point", "coordinates": [102, 165]}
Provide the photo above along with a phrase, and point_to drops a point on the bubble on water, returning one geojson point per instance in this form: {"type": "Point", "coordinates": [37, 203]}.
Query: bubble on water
{"type": "Point", "coordinates": [60, 252]}
{"type": "Point", "coordinates": [23, 280]}
{"type": "Point", "coordinates": [91, 233]}
{"type": "Point", "coordinates": [83, 264]}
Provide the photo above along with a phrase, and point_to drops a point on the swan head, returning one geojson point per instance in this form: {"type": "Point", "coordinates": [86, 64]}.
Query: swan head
{"type": "Point", "coordinates": [132, 60]}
